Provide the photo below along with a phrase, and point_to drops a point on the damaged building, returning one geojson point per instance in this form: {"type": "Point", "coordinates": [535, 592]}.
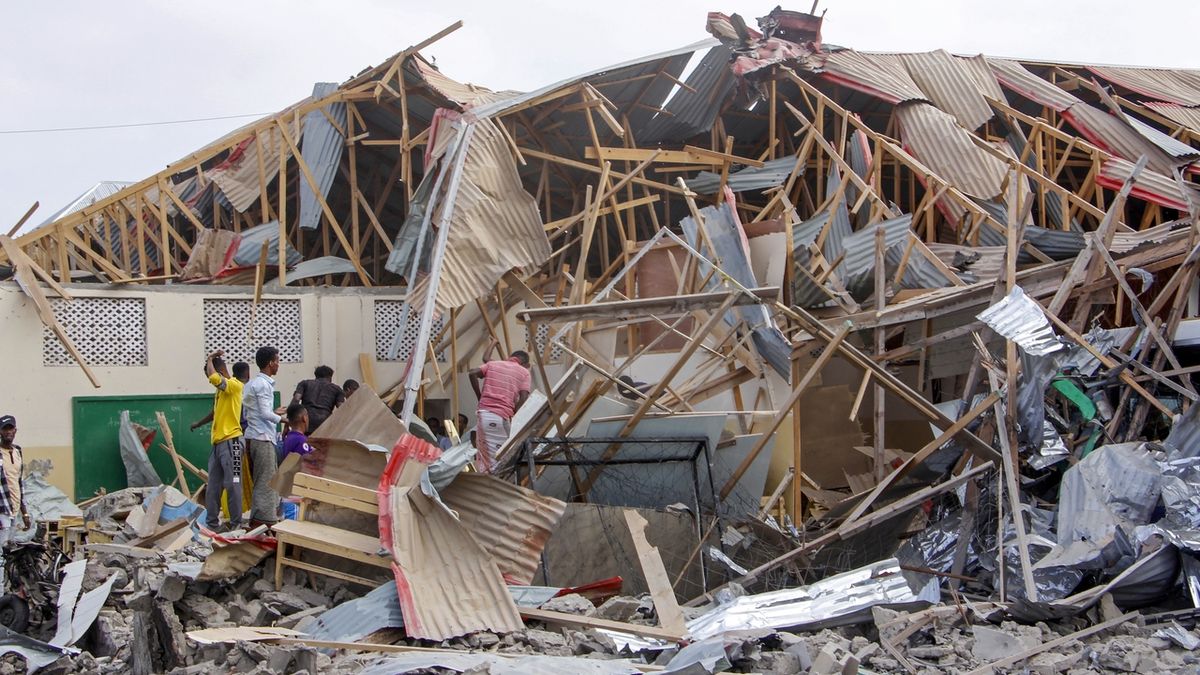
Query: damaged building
{"type": "Point", "coordinates": [841, 360]}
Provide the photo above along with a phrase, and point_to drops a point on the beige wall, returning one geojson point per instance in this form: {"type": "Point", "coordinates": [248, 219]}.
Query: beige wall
{"type": "Point", "coordinates": [337, 325]}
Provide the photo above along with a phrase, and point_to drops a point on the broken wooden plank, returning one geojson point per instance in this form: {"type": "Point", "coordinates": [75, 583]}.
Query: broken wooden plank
{"type": "Point", "coordinates": [586, 622]}
{"type": "Point", "coordinates": [642, 307]}
{"type": "Point", "coordinates": [670, 616]}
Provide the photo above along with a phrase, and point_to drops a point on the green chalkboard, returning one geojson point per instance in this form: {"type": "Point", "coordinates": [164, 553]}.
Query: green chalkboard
{"type": "Point", "coordinates": [95, 426]}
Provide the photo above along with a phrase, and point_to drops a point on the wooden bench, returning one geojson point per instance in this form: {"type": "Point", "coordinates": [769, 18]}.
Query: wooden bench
{"type": "Point", "coordinates": [304, 534]}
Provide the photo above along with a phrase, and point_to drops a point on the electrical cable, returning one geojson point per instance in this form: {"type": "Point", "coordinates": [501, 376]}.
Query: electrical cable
{"type": "Point", "coordinates": [131, 125]}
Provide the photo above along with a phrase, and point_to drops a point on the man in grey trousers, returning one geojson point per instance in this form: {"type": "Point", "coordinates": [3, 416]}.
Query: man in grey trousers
{"type": "Point", "coordinates": [262, 427]}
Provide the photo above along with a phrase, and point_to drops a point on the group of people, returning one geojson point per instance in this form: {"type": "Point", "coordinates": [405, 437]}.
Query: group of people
{"type": "Point", "coordinates": [245, 427]}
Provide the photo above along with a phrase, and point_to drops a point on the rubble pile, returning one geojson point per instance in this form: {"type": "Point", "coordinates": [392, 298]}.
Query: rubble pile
{"type": "Point", "coordinates": [842, 362]}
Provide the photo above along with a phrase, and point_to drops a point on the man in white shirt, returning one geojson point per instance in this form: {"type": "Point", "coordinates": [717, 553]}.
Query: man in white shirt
{"type": "Point", "coordinates": [262, 428]}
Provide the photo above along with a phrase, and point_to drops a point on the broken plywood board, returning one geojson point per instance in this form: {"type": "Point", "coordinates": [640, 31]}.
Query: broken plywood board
{"type": "Point", "coordinates": [592, 542]}
{"type": "Point", "coordinates": [231, 562]}
{"type": "Point", "coordinates": [827, 440]}
{"type": "Point", "coordinates": [212, 636]}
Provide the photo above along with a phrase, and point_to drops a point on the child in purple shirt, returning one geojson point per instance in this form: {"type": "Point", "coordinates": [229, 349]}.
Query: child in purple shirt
{"type": "Point", "coordinates": [295, 441]}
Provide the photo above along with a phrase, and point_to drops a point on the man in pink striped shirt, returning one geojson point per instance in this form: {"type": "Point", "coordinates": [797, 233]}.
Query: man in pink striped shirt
{"type": "Point", "coordinates": [505, 388]}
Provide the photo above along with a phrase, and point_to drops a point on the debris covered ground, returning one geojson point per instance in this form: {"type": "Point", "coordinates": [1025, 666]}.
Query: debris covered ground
{"type": "Point", "coordinates": [919, 338]}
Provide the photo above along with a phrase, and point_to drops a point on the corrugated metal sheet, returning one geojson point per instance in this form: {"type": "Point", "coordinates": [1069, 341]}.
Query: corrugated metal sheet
{"type": "Point", "coordinates": [981, 76]}
{"type": "Point", "coordinates": [321, 149]}
{"type": "Point", "coordinates": [317, 267]}
{"type": "Point", "coordinates": [250, 244]}
{"type": "Point", "coordinates": [1014, 76]}
{"type": "Point", "coordinates": [1057, 244]}
{"type": "Point", "coordinates": [771, 174]}
{"type": "Point", "coordinates": [1175, 148]}
{"type": "Point", "coordinates": [974, 263]}
{"type": "Point", "coordinates": [946, 149]}
{"type": "Point", "coordinates": [949, 85]}
{"type": "Point", "coordinates": [495, 225]}
{"type": "Point", "coordinates": [1150, 186]}
{"type": "Point", "coordinates": [237, 175]}
{"type": "Point", "coordinates": [727, 237]}
{"type": "Point", "coordinates": [1020, 319]}
{"type": "Point", "coordinates": [464, 94]}
{"type": "Point", "coordinates": [1172, 86]}
{"type": "Point", "coordinates": [355, 619]}
{"type": "Point", "coordinates": [858, 154]}
{"type": "Point", "coordinates": [693, 112]}
{"type": "Point", "coordinates": [880, 75]}
{"type": "Point", "coordinates": [1124, 242]}
{"type": "Point", "coordinates": [1015, 148]}
{"type": "Point", "coordinates": [840, 228]}
{"type": "Point", "coordinates": [857, 270]}
{"type": "Point", "coordinates": [838, 600]}
{"type": "Point", "coordinates": [643, 65]}
{"type": "Point", "coordinates": [447, 583]}
{"type": "Point", "coordinates": [511, 523]}
{"type": "Point", "coordinates": [102, 190]}
{"type": "Point", "coordinates": [1185, 116]}
{"type": "Point", "coordinates": [1120, 138]}
{"type": "Point", "coordinates": [805, 291]}
{"type": "Point", "coordinates": [1184, 439]}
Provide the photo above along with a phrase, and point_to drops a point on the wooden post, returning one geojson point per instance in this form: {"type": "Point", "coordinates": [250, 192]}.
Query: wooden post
{"type": "Point", "coordinates": [880, 303]}
{"type": "Point", "coordinates": [283, 157]}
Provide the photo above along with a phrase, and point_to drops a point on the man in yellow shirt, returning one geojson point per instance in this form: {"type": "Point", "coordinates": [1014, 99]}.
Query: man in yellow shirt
{"type": "Point", "coordinates": [225, 461]}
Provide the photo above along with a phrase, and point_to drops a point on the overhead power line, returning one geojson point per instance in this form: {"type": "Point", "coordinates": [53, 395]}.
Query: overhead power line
{"type": "Point", "coordinates": [130, 125]}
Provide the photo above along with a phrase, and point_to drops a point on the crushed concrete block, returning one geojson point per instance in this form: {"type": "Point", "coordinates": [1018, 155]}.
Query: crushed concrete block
{"type": "Point", "coordinates": [992, 644]}
{"type": "Point", "coordinates": [308, 595]}
{"type": "Point", "coordinates": [832, 660]}
{"type": "Point", "coordinates": [256, 651]}
{"type": "Point", "coordinates": [204, 611]}
{"type": "Point", "coordinates": [884, 663]}
{"type": "Point", "coordinates": [291, 620]}
{"type": "Point", "coordinates": [170, 634]}
{"type": "Point", "coordinates": [572, 603]}
{"type": "Point", "coordinates": [482, 640]}
{"type": "Point", "coordinates": [619, 608]}
{"type": "Point", "coordinates": [172, 588]}
{"type": "Point", "coordinates": [141, 601]}
{"type": "Point", "coordinates": [215, 654]}
{"type": "Point", "coordinates": [305, 660]}
{"type": "Point", "coordinates": [931, 651]}
{"type": "Point", "coordinates": [779, 662]}
{"type": "Point", "coordinates": [284, 602]}
{"type": "Point", "coordinates": [261, 586]}
{"type": "Point", "coordinates": [594, 642]}
{"type": "Point", "coordinates": [279, 660]}
{"type": "Point", "coordinates": [544, 642]}
{"type": "Point", "coordinates": [1051, 663]}
{"type": "Point", "coordinates": [141, 659]}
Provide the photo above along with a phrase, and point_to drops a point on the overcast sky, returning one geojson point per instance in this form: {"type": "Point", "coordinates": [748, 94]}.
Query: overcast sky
{"type": "Point", "coordinates": [87, 63]}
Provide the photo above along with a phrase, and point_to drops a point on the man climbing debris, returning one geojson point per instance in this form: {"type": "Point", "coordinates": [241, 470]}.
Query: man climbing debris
{"type": "Point", "coordinates": [505, 387]}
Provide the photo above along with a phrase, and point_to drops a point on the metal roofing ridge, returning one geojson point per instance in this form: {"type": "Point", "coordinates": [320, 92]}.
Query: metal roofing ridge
{"type": "Point", "coordinates": [1033, 61]}
{"type": "Point", "coordinates": [498, 107]}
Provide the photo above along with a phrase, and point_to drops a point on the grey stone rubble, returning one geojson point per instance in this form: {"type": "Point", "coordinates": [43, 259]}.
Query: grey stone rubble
{"type": "Point", "coordinates": [142, 629]}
